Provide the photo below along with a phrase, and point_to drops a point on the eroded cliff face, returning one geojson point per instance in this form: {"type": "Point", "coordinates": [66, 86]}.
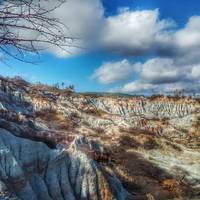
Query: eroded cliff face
{"type": "Point", "coordinates": [30, 170]}
{"type": "Point", "coordinates": [37, 162]}
{"type": "Point", "coordinates": [58, 145]}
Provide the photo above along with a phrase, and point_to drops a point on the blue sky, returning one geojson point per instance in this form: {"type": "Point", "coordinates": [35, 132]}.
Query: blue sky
{"type": "Point", "coordinates": [132, 62]}
{"type": "Point", "coordinates": [179, 10]}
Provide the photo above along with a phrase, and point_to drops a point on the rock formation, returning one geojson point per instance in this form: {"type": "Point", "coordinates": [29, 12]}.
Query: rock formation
{"type": "Point", "coordinates": [60, 145]}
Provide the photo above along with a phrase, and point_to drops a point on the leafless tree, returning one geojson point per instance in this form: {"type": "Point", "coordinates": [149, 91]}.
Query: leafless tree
{"type": "Point", "coordinates": [27, 26]}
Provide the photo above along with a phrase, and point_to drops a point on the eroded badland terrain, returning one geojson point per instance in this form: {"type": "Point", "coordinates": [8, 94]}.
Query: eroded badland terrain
{"type": "Point", "coordinates": [58, 145]}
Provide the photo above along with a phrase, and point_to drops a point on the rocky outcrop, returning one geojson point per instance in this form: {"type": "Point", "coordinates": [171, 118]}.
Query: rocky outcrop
{"type": "Point", "coordinates": [55, 145]}
{"type": "Point", "coordinates": [41, 163]}
{"type": "Point", "coordinates": [160, 107]}
{"type": "Point", "coordinates": [30, 170]}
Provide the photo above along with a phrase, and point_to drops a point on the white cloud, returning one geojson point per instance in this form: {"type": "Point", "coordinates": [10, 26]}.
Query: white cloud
{"type": "Point", "coordinates": [195, 72]}
{"type": "Point", "coordinates": [187, 43]}
{"type": "Point", "coordinates": [141, 32]}
{"type": "Point", "coordinates": [128, 32]}
{"type": "Point", "coordinates": [161, 75]}
{"type": "Point", "coordinates": [137, 86]}
{"type": "Point", "coordinates": [111, 72]}
{"type": "Point", "coordinates": [162, 70]}
{"type": "Point", "coordinates": [188, 87]}
{"type": "Point", "coordinates": [83, 19]}
{"type": "Point", "coordinates": [133, 32]}
{"type": "Point", "coordinates": [189, 36]}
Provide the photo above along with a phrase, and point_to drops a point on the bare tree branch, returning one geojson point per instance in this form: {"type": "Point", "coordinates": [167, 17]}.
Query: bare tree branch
{"type": "Point", "coordinates": [28, 26]}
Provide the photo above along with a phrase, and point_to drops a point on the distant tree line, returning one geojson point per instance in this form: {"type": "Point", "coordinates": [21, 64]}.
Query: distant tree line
{"type": "Point", "coordinates": [64, 86]}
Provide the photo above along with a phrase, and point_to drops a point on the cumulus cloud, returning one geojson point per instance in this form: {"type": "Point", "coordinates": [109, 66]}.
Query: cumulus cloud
{"type": "Point", "coordinates": [189, 36]}
{"type": "Point", "coordinates": [112, 72]}
{"type": "Point", "coordinates": [142, 32]}
{"type": "Point", "coordinates": [139, 32]}
{"type": "Point", "coordinates": [189, 87]}
{"type": "Point", "coordinates": [195, 72]}
{"type": "Point", "coordinates": [162, 75]}
{"type": "Point", "coordinates": [128, 32]}
{"type": "Point", "coordinates": [83, 19]}
{"type": "Point", "coordinates": [162, 70]}
{"type": "Point", "coordinates": [137, 86]}
{"type": "Point", "coordinates": [133, 32]}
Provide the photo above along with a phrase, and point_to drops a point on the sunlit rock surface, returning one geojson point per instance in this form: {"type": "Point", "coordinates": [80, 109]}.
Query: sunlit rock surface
{"type": "Point", "coordinates": [60, 145]}
{"type": "Point", "coordinates": [30, 170]}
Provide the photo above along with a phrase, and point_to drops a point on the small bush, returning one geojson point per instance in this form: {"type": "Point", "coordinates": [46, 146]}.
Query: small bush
{"type": "Point", "coordinates": [150, 144]}
{"type": "Point", "coordinates": [99, 130]}
{"type": "Point", "coordinates": [55, 120]}
{"type": "Point", "coordinates": [127, 141]}
{"type": "Point", "coordinates": [85, 123]}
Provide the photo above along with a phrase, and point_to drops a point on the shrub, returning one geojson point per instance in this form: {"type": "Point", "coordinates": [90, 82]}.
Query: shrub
{"type": "Point", "coordinates": [99, 130]}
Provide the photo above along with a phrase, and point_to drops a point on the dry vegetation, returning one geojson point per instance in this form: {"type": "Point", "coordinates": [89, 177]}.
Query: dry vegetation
{"type": "Point", "coordinates": [57, 121]}
{"type": "Point", "coordinates": [94, 112]}
{"type": "Point", "coordinates": [138, 141]}
{"type": "Point", "coordinates": [141, 176]}
{"type": "Point", "coordinates": [197, 124]}
{"type": "Point", "coordinates": [98, 130]}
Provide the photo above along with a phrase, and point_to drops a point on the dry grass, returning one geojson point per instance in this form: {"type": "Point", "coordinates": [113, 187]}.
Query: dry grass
{"type": "Point", "coordinates": [128, 130]}
{"type": "Point", "coordinates": [140, 176]}
{"type": "Point", "coordinates": [138, 141]}
{"type": "Point", "coordinates": [174, 146]}
{"type": "Point", "coordinates": [148, 142]}
{"type": "Point", "coordinates": [98, 130]}
{"type": "Point", "coordinates": [127, 141]}
{"type": "Point", "coordinates": [85, 123]}
{"type": "Point", "coordinates": [197, 125]}
{"type": "Point", "coordinates": [138, 138]}
{"type": "Point", "coordinates": [56, 120]}
{"type": "Point", "coordinates": [94, 112]}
